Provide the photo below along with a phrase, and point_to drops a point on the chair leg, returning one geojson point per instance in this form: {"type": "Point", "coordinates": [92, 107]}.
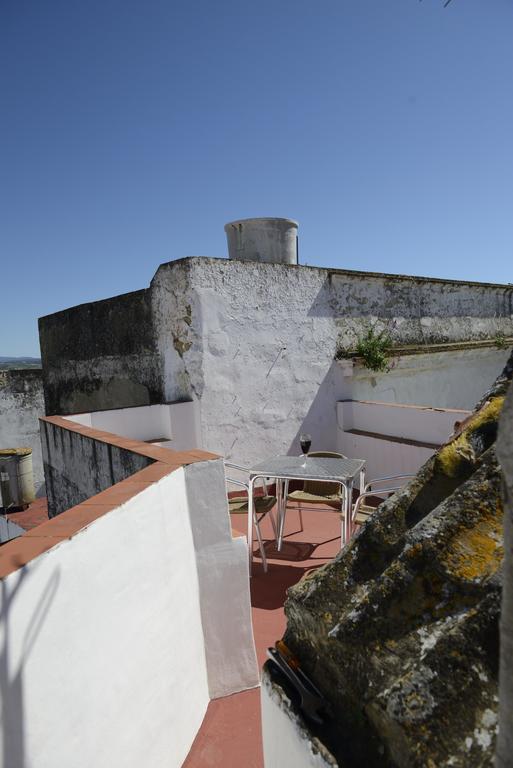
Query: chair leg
{"type": "Point", "coordinates": [284, 491]}
{"type": "Point", "coordinates": [260, 543]}
{"type": "Point", "coordinates": [300, 513]}
{"type": "Point", "coordinates": [282, 524]}
{"type": "Point", "coordinates": [273, 523]}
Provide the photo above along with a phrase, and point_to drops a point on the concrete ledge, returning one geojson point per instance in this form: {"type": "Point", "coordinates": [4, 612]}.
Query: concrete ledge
{"type": "Point", "coordinates": [424, 349]}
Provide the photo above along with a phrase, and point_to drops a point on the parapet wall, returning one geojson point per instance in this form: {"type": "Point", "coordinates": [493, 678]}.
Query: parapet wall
{"type": "Point", "coordinates": [78, 466]}
{"type": "Point", "coordinates": [144, 593]}
{"type": "Point", "coordinates": [100, 355]}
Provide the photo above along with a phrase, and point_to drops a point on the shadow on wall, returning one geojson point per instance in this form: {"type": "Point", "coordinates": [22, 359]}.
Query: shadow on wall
{"type": "Point", "coordinates": [320, 421]}
{"type": "Point", "coordinates": [11, 671]}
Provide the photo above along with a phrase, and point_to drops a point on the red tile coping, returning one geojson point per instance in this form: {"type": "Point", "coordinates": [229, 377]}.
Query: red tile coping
{"type": "Point", "coordinates": [44, 536]}
{"type": "Point", "coordinates": [165, 455]}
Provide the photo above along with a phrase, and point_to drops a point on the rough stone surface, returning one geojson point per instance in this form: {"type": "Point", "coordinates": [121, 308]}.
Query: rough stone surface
{"type": "Point", "coordinates": [504, 757]}
{"type": "Point", "coordinates": [21, 405]}
{"type": "Point", "coordinates": [100, 355]}
{"type": "Point", "coordinates": [400, 631]}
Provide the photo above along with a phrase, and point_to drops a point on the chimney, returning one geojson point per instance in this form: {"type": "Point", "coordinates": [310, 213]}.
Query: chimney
{"type": "Point", "coordinates": [273, 241]}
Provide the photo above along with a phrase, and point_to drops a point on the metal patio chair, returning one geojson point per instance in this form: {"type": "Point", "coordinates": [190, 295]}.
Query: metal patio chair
{"type": "Point", "coordinates": [262, 506]}
{"type": "Point", "coordinates": [361, 509]}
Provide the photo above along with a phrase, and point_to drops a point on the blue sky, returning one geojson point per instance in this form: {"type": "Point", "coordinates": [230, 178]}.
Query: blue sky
{"type": "Point", "coordinates": [131, 131]}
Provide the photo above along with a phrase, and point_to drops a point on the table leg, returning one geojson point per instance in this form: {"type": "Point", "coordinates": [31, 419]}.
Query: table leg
{"type": "Point", "coordinates": [282, 487]}
{"type": "Point", "coordinates": [250, 523]}
{"type": "Point", "coordinates": [349, 505]}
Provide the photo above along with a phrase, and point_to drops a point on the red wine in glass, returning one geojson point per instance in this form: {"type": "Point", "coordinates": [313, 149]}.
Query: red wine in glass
{"type": "Point", "coordinates": [305, 441]}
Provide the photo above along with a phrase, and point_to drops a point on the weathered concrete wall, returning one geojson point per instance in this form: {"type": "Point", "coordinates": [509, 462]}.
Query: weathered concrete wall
{"type": "Point", "coordinates": [255, 344]}
{"type": "Point", "coordinates": [454, 379]}
{"type": "Point", "coordinates": [21, 405]}
{"type": "Point", "coordinates": [100, 355]}
{"type": "Point", "coordinates": [78, 467]}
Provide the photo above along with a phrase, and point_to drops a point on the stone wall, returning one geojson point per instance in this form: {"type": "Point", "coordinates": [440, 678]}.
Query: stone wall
{"type": "Point", "coordinates": [21, 405]}
{"type": "Point", "coordinates": [255, 344]}
{"type": "Point", "coordinates": [100, 355]}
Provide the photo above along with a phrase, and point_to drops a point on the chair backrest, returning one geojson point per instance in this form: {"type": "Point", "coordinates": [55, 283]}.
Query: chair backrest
{"type": "Point", "coordinates": [319, 488]}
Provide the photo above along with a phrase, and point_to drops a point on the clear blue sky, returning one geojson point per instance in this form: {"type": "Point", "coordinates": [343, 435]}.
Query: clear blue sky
{"type": "Point", "coordinates": [133, 130]}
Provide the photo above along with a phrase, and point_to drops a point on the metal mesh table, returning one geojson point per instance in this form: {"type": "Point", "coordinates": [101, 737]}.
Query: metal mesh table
{"type": "Point", "coordinates": [317, 468]}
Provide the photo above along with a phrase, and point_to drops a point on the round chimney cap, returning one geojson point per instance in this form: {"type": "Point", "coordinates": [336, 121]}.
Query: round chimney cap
{"type": "Point", "coordinates": [269, 219]}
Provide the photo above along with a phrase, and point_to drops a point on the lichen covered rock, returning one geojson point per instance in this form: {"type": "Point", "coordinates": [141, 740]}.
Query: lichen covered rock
{"type": "Point", "coordinates": [400, 631]}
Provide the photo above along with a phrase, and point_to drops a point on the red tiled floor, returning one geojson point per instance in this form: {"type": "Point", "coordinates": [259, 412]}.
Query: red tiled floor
{"type": "Point", "coordinates": [35, 514]}
{"type": "Point", "coordinates": [230, 736]}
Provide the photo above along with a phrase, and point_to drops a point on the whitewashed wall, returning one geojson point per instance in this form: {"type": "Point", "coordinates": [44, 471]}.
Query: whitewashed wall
{"type": "Point", "coordinates": [177, 423]}
{"type": "Point", "coordinates": [411, 424]}
{"type": "Point", "coordinates": [254, 344]}
{"type": "Point", "coordinates": [21, 405]}
{"type": "Point", "coordinates": [143, 633]}
{"type": "Point", "coordinates": [456, 379]}
{"type": "Point", "coordinates": [383, 457]}
{"type": "Point", "coordinates": [287, 743]}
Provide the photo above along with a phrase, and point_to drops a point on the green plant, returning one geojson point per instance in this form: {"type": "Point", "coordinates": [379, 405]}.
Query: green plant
{"type": "Point", "coordinates": [373, 348]}
{"type": "Point", "coordinates": [500, 340]}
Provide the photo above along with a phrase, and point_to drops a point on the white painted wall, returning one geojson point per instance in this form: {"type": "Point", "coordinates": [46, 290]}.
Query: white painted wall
{"type": "Point", "coordinates": [382, 457]}
{"type": "Point", "coordinates": [255, 345]}
{"type": "Point", "coordinates": [386, 457]}
{"type": "Point", "coordinates": [428, 425]}
{"type": "Point", "coordinates": [455, 379]}
{"type": "Point", "coordinates": [286, 742]}
{"type": "Point", "coordinates": [126, 604]}
{"type": "Point", "coordinates": [222, 567]}
{"type": "Point", "coordinates": [177, 423]}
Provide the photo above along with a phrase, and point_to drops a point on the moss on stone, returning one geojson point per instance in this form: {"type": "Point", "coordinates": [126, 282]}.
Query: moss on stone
{"type": "Point", "coordinates": [476, 553]}
{"type": "Point", "coordinates": [181, 345]}
{"type": "Point", "coordinates": [453, 459]}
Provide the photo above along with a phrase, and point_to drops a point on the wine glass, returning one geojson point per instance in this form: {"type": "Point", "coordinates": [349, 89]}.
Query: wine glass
{"type": "Point", "coordinates": [305, 441]}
